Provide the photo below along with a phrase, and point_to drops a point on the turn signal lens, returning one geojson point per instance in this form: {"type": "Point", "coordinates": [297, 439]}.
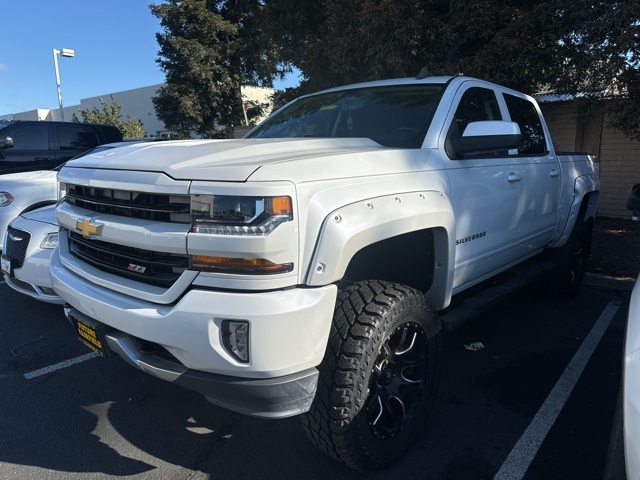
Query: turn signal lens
{"type": "Point", "coordinates": [5, 199]}
{"type": "Point", "coordinates": [279, 205]}
{"type": "Point", "coordinates": [253, 266]}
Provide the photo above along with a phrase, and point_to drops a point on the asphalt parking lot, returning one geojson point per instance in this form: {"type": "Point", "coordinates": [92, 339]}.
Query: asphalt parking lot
{"type": "Point", "coordinates": [537, 402]}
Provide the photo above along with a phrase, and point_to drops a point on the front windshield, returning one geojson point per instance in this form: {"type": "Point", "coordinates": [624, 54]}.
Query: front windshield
{"type": "Point", "coordinates": [393, 116]}
{"type": "Point", "coordinates": [4, 124]}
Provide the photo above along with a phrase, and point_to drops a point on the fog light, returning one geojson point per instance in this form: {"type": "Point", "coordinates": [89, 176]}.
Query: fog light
{"type": "Point", "coordinates": [50, 241]}
{"type": "Point", "coordinates": [235, 338]}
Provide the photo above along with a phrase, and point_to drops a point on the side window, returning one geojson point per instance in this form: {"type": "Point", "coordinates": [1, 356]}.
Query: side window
{"type": "Point", "coordinates": [524, 113]}
{"type": "Point", "coordinates": [477, 104]}
{"type": "Point", "coordinates": [30, 137]}
{"type": "Point", "coordinates": [76, 137]}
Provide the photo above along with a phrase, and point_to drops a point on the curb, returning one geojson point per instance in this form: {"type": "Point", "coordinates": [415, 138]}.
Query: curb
{"type": "Point", "coordinates": [611, 283]}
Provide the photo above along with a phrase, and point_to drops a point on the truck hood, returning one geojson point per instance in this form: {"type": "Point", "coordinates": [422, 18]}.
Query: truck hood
{"type": "Point", "coordinates": [233, 160]}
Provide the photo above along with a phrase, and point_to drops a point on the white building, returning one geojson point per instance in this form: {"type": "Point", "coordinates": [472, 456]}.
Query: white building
{"type": "Point", "coordinates": [134, 103]}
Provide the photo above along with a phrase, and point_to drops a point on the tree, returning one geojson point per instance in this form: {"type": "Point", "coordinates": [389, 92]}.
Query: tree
{"type": "Point", "coordinates": [208, 50]}
{"type": "Point", "coordinates": [600, 46]}
{"type": "Point", "coordinates": [562, 45]}
{"type": "Point", "coordinates": [111, 115]}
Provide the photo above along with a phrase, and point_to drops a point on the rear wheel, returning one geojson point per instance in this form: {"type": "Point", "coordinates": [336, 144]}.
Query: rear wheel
{"type": "Point", "coordinates": [378, 377]}
{"type": "Point", "coordinates": [565, 281]}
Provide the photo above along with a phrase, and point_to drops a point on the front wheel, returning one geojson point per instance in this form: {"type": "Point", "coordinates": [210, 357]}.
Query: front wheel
{"type": "Point", "coordinates": [378, 377]}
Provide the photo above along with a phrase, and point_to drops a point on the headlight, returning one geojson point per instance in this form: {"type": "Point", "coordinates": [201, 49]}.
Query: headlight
{"type": "Point", "coordinates": [62, 190]}
{"type": "Point", "coordinates": [5, 199]}
{"type": "Point", "coordinates": [233, 215]}
{"type": "Point", "coordinates": [50, 241]}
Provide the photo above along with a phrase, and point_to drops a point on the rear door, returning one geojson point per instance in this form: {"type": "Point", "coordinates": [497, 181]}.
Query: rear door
{"type": "Point", "coordinates": [32, 148]}
{"type": "Point", "coordinates": [541, 170]}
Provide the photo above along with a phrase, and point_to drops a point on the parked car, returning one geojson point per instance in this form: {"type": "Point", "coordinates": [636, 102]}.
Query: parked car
{"type": "Point", "coordinates": [631, 388]}
{"type": "Point", "coordinates": [29, 240]}
{"type": "Point", "coordinates": [25, 191]}
{"type": "Point", "coordinates": [21, 192]}
{"type": "Point", "coordinates": [32, 145]}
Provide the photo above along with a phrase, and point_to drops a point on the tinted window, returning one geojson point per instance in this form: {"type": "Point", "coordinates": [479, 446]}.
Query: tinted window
{"type": "Point", "coordinates": [477, 104]}
{"type": "Point", "coordinates": [394, 116]}
{"type": "Point", "coordinates": [524, 113]}
{"type": "Point", "coordinates": [30, 137]}
{"type": "Point", "coordinates": [76, 137]}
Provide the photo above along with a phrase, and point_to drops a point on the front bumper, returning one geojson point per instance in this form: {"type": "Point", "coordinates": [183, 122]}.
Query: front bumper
{"type": "Point", "coordinates": [267, 398]}
{"type": "Point", "coordinates": [288, 336]}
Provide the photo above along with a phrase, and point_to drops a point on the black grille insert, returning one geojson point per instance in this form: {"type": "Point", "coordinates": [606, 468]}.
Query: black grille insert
{"type": "Point", "coordinates": [154, 268]}
{"type": "Point", "coordinates": [16, 247]}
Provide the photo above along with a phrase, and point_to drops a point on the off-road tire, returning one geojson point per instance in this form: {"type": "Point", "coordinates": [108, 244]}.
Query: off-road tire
{"type": "Point", "coordinates": [378, 377]}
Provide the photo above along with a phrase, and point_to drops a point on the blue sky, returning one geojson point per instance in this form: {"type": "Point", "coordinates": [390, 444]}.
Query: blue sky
{"type": "Point", "coordinates": [114, 42]}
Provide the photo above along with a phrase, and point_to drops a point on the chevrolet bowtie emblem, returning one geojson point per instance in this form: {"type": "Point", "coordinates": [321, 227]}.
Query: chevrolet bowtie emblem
{"type": "Point", "coordinates": [84, 226]}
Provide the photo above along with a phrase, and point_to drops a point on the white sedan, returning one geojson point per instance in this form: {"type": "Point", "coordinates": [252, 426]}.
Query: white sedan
{"type": "Point", "coordinates": [631, 405]}
{"type": "Point", "coordinates": [21, 192]}
{"type": "Point", "coordinates": [29, 240]}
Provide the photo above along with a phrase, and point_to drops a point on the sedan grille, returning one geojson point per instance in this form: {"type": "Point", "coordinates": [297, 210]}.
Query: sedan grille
{"type": "Point", "coordinates": [16, 247]}
{"type": "Point", "coordinates": [153, 268]}
{"type": "Point", "coordinates": [124, 203]}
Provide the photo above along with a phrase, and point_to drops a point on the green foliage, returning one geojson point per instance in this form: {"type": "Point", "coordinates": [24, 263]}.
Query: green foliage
{"type": "Point", "coordinates": [111, 115]}
{"type": "Point", "coordinates": [209, 48]}
{"type": "Point", "coordinates": [561, 45]}
{"type": "Point", "coordinates": [207, 51]}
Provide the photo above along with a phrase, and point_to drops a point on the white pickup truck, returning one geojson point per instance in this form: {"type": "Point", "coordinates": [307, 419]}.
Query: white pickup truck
{"type": "Point", "coordinates": [301, 270]}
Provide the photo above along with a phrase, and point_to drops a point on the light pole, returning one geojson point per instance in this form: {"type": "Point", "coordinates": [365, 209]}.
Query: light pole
{"type": "Point", "coordinates": [65, 52]}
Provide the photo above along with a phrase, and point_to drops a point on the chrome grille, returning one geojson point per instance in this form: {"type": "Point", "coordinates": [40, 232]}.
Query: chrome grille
{"type": "Point", "coordinates": [154, 268]}
{"type": "Point", "coordinates": [16, 247]}
{"type": "Point", "coordinates": [125, 203]}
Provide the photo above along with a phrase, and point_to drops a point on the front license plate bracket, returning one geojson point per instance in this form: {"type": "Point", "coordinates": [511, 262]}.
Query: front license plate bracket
{"type": "Point", "coordinates": [92, 334]}
{"type": "Point", "coordinates": [5, 265]}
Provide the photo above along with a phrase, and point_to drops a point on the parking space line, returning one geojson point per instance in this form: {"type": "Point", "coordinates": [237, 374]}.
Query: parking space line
{"type": "Point", "coordinates": [58, 366]}
{"type": "Point", "coordinates": [525, 450]}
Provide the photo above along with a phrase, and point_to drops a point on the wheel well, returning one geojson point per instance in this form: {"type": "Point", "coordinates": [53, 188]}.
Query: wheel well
{"type": "Point", "coordinates": [407, 259]}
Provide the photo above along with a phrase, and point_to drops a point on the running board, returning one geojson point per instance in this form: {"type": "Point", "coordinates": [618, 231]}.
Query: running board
{"type": "Point", "coordinates": [471, 307]}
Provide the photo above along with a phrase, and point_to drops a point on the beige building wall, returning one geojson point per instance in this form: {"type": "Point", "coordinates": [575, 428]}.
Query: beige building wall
{"type": "Point", "coordinates": [619, 156]}
{"type": "Point", "coordinates": [620, 170]}
{"type": "Point", "coordinates": [136, 103]}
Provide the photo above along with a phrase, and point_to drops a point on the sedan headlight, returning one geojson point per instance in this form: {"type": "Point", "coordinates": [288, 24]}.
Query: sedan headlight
{"type": "Point", "coordinates": [62, 190]}
{"type": "Point", "coordinates": [50, 241]}
{"type": "Point", "coordinates": [234, 215]}
{"type": "Point", "coordinates": [5, 199]}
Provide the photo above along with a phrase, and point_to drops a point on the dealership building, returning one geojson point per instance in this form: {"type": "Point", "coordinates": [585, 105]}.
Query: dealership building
{"type": "Point", "coordinates": [134, 103]}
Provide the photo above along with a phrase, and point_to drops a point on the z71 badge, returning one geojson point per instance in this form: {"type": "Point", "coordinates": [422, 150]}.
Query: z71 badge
{"type": "Point", "coordinates": [136, 268]}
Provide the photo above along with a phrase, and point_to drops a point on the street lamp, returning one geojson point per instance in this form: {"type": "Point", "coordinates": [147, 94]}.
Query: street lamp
{"type": "Point", "coordinates": [65, 52]}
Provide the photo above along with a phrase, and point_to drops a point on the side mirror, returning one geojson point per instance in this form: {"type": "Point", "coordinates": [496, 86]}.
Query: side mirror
{"type": "Point", "coordinates": [6, 142]}
{"type": "Point", "coordinates": [486, 137]}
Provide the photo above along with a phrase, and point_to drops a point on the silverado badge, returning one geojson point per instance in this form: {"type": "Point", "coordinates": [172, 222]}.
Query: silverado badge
{"type": "Point", "coordinates": [84, 226]}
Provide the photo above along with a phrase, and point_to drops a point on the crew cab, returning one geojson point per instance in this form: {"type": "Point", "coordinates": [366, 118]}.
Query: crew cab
{"type": "Point", "coordinates": [302, 269]}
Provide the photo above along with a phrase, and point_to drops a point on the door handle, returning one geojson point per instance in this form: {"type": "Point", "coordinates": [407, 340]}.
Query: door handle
{"type": "Point", "coordinates": [554, 173]}
{"type": "Point", "coordinates": [514, 177]}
